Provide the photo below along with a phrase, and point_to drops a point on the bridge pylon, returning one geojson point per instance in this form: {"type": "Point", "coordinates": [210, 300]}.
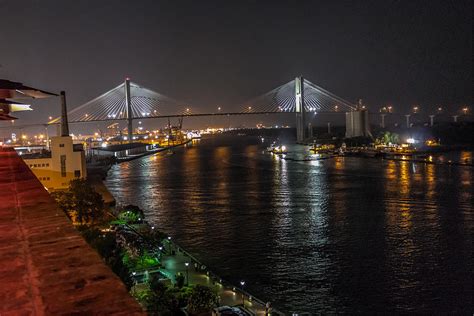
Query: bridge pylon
{"type": "Point", "coordinates": [128, 109]}
{"type": "Point", "coordinates": [299, 109]}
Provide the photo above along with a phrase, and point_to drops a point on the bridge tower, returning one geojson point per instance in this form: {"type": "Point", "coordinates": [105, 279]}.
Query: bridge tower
{"type": "Point", "coordinates": [128, 103]}
{"type": "Point", "coordinates": [300, 112]}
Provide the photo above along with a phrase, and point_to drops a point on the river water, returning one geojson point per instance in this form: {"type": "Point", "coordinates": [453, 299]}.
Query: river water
{"type": "Point", "coordinates": [348, 234]}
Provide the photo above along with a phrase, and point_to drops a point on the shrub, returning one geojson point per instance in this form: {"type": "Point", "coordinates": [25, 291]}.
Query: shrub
{"type": "Point", "coordinates": [179, 281]}
{"type": "Point", "coordinates": [202, 299]}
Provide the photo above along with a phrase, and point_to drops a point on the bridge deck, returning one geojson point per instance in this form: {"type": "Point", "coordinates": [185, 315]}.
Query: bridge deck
{"type": "Point", "coordinates": [46, 268]}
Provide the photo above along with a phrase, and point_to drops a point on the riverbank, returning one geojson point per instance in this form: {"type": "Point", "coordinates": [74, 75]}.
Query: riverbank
{"type": "Point", "coordinates": [151, 152]}
{"type": "Point", "coordinates": [150, 256]}
{"type": "Point", "coordinates": [172, 264]}
{"type": "Point", "coordinates": [196, 272]}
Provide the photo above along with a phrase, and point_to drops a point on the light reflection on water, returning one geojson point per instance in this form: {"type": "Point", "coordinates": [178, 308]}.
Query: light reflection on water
{"type": "Point", "coordinates": [341, 235]}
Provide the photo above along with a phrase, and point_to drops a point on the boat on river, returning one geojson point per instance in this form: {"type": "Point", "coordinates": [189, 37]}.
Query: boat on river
{"type": "Point", "coordinates": [277, 149]}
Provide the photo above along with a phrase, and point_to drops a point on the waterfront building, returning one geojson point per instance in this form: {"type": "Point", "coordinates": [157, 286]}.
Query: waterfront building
{"type": "Point", "coordinates": [56, 168]}
{"type": "Point", "coordinates": [64, 162]}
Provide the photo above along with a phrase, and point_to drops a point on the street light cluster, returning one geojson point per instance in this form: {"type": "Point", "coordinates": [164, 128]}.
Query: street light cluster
{"type": "Point", "coordinates": [416, 109]}
{"type": "Point", "coordinates": [386, 109]}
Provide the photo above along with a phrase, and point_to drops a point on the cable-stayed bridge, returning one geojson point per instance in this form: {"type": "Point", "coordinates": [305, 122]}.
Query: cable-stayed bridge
{"type": "Point", "coordinates": [129, 101]}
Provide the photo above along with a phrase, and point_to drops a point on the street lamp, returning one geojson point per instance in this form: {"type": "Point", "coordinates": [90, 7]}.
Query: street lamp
{"type": "Point", "coordinates": [242, 283]}
{"type": "Point", "coordinates": [465, 110]}
{"type": "Point", "coordinates": [187, 273]}
{"type": "Point", "coordinates": [169, 244]}
{"type": "Point", "coordinates": [415, 109]}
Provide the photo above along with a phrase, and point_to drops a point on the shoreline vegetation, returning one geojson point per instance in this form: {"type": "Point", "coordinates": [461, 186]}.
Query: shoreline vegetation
{"type": "Point", "coordinates": [160, 275]}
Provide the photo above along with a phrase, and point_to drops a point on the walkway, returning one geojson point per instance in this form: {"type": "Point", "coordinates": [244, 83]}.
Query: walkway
{"type": "Point", "coordinates": [46, 267]}
{"type": "Point", "coordinates": [176, 264]}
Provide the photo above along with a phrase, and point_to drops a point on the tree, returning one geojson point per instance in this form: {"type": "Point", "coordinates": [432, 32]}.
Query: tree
{"type": "Point", "coordinates": [80, 202]}
{"type": "Point", "coordinates": [388, 138]}
{"type": "Point", "coordinates": [64, 200]}
{"type": "Point", "coordinates": [202, 299]}
{"type": "Point", "coordinates": [87, 204]}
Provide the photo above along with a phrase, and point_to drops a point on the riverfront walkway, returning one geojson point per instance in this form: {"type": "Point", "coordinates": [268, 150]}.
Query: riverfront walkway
{"type": "Point", "coordinates": [46, 267]}
{"type": "Point", "coordinates": [175, 264]}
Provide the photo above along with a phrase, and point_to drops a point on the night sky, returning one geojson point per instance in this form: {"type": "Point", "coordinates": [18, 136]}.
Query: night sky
{"type": "Point", "coordinates": [211, 53]}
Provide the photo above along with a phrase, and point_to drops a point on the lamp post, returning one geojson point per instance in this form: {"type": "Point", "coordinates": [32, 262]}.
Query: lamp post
{"type": "Point", "coordinates": [242, 283]}
{"type": "Point", "coordinates": [169, 244]}
{"type": "Point", "coordinates": [187, 273]}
